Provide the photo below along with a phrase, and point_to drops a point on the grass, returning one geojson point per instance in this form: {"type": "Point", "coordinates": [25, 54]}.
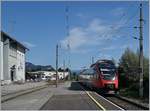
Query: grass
{"type": "Point", "coordinates": [129, 93]}
{"type": "Point", "coordinates": [133, 94]}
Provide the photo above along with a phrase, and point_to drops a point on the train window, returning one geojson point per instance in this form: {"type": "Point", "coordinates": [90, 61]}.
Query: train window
{"type": "Point", "coordinates": [107, 65]}
{"type": "Point", "coordinates": [91, 71]}
{"type": "Point", "coordinates": [94, 76]}
{"type": "Point", "coordinates": [88, 72]}
{"type": "Point", "coordinates": [94, 73]}
{"type": "Point", "coordinates": [108, 72]}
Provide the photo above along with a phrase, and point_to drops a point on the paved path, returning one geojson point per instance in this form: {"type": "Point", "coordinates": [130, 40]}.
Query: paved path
{"type": "Point", "coordinates": [70, 102]}
{"type": "Point", "coordinates": [69, 96]}
{"type": "Point", "coordinates": [72, 96]}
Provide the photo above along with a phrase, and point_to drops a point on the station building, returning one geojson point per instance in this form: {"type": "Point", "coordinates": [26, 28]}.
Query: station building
{"type": "Point", "coordinates": [12, 59]}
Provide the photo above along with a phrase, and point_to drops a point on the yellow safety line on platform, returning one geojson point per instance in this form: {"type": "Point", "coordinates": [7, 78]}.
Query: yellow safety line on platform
{"type": "Point", "coordinates": [97, 103]}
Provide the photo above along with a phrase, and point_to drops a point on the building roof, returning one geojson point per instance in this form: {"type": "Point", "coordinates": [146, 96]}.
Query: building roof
{"type": "Point", "coordinates": [6, 35]}
{"type": "Point", "coordinates": [62, 70]}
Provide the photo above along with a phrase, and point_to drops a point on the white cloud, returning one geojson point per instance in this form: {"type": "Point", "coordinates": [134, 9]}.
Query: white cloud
{"type": "Point", "coordinates": [104, 56]}
{"type": "Point", "coordinates": [114, 47]}
{"type": "Point", "coordinates": [108, 48]}
{"type": "Point", "coordinates": [96, 33]}
{"type": "Point", "coordinates": [124, 46]}
{"type": "Point", "coordinates": [119, 11]}
{"type": "Point", "coordinates": [81, 15]}
{"type": "Point", "coordinates": [82, 51]}
{"type": "Point", "coordinates": [28, 44]}
{"type": "Point", "coordinates": [76, 39]}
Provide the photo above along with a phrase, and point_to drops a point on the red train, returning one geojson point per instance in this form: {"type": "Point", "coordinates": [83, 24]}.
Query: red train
{"type": "Point", "coordinates": [101, 75]}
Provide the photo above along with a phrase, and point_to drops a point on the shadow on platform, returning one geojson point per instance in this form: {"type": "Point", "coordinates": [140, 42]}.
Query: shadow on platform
{"type": "Point", "coordinates": [76, 86]}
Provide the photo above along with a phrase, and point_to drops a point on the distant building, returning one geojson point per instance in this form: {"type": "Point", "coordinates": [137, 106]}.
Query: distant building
{"type": "Point", "coordinates": [51, 75]}
{"type": "Point", "coordinates": [63, 73]}
{"type": "Point", "coordinates": [40, 75]}
{"type": "Point", "coordinates": [12, 59]}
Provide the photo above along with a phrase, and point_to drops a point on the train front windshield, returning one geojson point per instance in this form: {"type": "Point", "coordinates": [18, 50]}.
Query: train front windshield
{"type": "Point", "coordinates": [108, 71]}
{"type": "Point", "coordinates": [107, 66]}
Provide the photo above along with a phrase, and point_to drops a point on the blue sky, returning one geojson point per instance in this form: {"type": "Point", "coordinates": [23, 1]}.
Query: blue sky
{"type": "Point", "coordinates": [98, 29]}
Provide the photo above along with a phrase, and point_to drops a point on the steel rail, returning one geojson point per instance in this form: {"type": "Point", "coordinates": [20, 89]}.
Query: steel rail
{"type": "Point", "coordinates": [110, 102]}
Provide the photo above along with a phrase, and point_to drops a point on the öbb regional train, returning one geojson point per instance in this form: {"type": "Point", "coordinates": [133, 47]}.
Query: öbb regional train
{"type": "Point", "coordinates": [102, 75]}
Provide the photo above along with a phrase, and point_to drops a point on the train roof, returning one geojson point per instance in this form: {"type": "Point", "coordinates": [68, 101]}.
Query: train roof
{"type": "Point", "coordinates": [86, 72]}
{"type": "Point", "coordinates": [103, 61]}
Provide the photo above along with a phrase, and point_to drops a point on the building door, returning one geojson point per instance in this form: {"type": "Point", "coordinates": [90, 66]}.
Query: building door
{"type": "Point", "coordinates": [12, 72]}
{"type": "Point", "coordinates": [12, 75]}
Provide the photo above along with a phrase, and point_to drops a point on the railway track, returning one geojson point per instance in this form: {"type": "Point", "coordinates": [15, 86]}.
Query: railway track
{"type": "Point", "coordinates": [125, 104]}
{"type": "Point", "coordinates": [101, 101]}
{"type": "Point", "coordinates": [122, 102]}
{"type": "Point", "coordinates": [116, 101]}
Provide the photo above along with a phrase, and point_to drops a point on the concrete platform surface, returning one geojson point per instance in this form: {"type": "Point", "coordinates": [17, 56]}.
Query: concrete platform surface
{"type": "Point", "coordinates": [31, 101]}
{"type": "Point", "coordinates": [13, 88]}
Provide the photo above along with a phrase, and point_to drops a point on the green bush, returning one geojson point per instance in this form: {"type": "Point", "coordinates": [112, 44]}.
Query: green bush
{"type": "Point", "coordinates": [129, 79]}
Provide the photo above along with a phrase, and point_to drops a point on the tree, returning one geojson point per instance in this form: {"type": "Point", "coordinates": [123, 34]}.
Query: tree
{"type": "Point", "coordinates": [129, 61]}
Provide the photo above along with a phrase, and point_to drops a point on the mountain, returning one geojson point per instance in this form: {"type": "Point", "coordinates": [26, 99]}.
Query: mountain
{"type": "Point", "coordinates": [32, 67]}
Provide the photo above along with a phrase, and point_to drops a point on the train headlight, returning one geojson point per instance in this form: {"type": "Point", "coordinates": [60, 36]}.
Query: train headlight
{"type": "Point", "coordinates": [113, 78]}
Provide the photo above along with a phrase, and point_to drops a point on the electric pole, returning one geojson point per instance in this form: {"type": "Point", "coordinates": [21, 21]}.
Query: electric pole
{"type": "Point", "coordinates": [92, 60]}
{"type": "Point", "coordinates": [68, 45]}
{"type": "Point", "coordinates": [64, 68]}
{"type": "Point", "coordinates": [141, 52]}
{"type": "Point", "coordinates": [56, 65]}
{"type": "Point", "coordinates": [69, 66]}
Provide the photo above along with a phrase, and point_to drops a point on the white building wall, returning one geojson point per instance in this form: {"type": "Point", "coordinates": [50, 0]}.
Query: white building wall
{"type": "Point", "coordinates": [12, 60]}
{"type": "Point", "coordinates": [52, 73]}
{"type": "Point", "coordinates": [66, 74]}
{"type": "Point", "coordinates": [62, 75]}
{"type": "Point", "coordinates": [6, 73]}
{"type": "Point", "coordinates": [11, 54]}
{"type": "Point", "coordinates": [20, 69]}
{"type": "Point", "coordinates": [47, 73]}
{"type": "Point", "coordinates": [1, 58]}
